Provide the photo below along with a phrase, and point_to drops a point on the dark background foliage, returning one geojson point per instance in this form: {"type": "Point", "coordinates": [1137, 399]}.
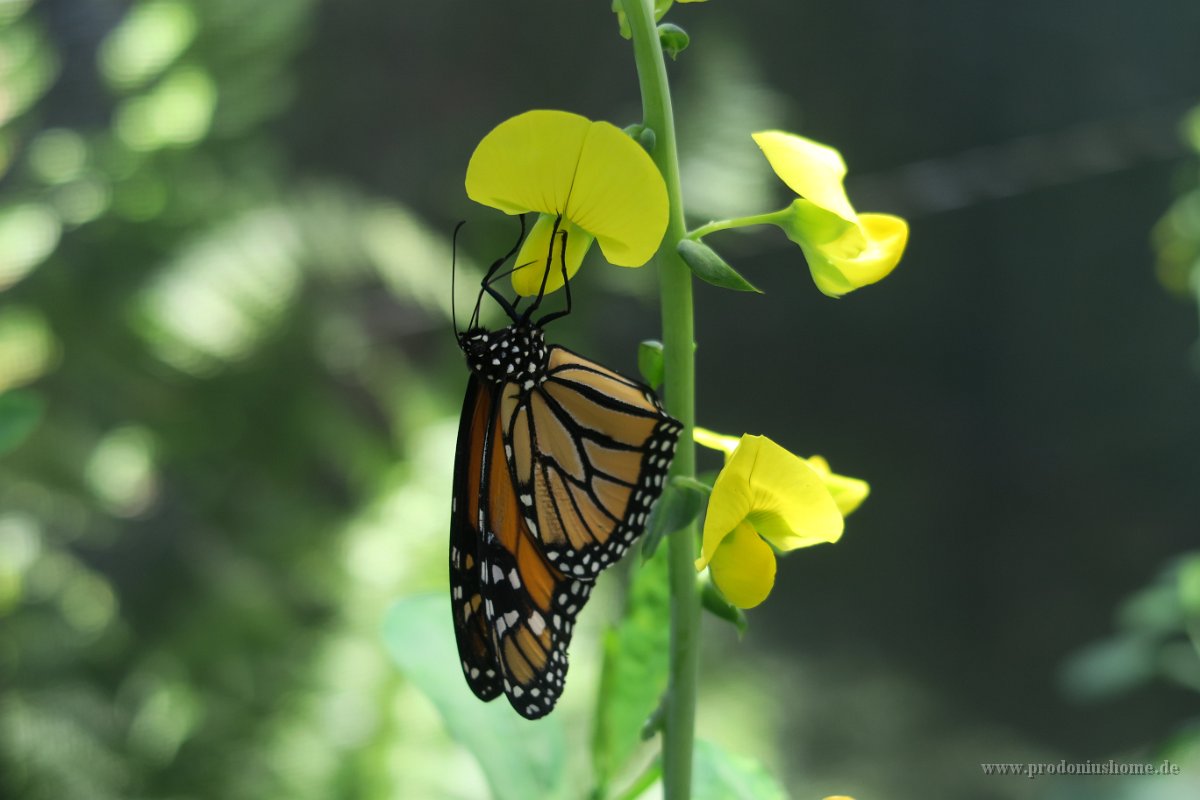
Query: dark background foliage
{"type": "Point", "coordinates": [234, 322]}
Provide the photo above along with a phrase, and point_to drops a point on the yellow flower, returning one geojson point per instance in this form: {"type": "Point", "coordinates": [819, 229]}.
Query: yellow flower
{"type": "Point", "coordinates": [845, 250]}
{"type": "Point", "coordinates": [765, 499]}
{"type": "Point", "coordinates": [847, 492]}
{"type": "Point", "coordinates": [600, 182]}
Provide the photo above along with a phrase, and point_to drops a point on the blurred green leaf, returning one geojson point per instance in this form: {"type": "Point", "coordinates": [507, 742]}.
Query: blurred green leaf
{"type": "Point", "coordinates": [1182, 745]}
{"type": "Point", "coordinates": [715, 603]}
{"type": "Point", "coordinates": [634, 674]}
{"type": "Point", "coordinates": [521, 759]}
{"type": "Point", "coordinates": [29, 233]}
{"type": "Point", "coordinates": [1108, 668]}
{"type": "Point", "coordinates": [1154, 610]}
{"type": "Point", "coordinates": [718, 775]}
{"type": "Point", "coordinates": [677, 507]}
{"type": "Point", "coordinates": [650, 362]}
{"type": "Point", "coordinates": [28, 68]}
{"type": "Point", "coordinates": [1178, 661]}
{"type": "Point", "coordinates": [148, 40]}
{"type": "Point", "coordinates": [20, 412]}
{"type": "Point", "coordinates": [648, 778]}
{"type": "Point", "coordinates": [1191, 129]}
{"type": "Point", "coordinates": [1189, 585]}
{"type": "Point", "coordinates": [28, 348]}
{"type": "Point", "coordinates": [711, 268]}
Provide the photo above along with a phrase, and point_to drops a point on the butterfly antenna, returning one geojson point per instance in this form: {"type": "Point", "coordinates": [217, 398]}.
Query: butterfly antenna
{"type": "Point", "coordinates": [486, 284]}
{"type": "Point", "coordinates": [453, 272]}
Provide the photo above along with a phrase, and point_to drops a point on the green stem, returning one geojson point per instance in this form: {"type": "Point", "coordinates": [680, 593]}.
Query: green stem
{"type": "Point", "coordinates": [772, 218]}
{"type": "Point", "coordinates": [675, 283]}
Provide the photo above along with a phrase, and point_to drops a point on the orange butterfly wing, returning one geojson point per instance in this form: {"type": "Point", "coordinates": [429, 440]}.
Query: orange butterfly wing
{"type": "Point", "coordinates": [589, 450]}
{"type": "Point", "coordinates": [514, 611]}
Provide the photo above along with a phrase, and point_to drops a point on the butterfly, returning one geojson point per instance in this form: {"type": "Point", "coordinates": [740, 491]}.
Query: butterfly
{"type": "Point", "coordinates": [558, 463]}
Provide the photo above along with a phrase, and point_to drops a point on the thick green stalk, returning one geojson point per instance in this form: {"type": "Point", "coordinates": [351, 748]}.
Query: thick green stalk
{"type": "Point", "coordinates": [675, 282]}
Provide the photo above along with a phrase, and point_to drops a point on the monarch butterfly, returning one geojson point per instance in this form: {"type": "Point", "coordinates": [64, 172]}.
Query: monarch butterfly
{"type": "Point", "coordinates": [558, 462]}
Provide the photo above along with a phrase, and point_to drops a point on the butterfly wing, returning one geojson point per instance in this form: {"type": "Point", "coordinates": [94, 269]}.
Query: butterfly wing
{"type": "Point", "coordinates": [471, 627]}
{"type": "Point", "coordinates": [514, 611]}
{"type": "Point", "coordinates": [589, 450]}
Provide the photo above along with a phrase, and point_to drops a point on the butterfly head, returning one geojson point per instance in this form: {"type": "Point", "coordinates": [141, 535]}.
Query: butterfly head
{"type": "Point", "coordinates": [515, 354]}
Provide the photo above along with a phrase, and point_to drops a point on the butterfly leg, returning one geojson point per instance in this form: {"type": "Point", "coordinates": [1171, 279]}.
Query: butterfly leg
{"type": "Point", "coordinates": [566, 287]}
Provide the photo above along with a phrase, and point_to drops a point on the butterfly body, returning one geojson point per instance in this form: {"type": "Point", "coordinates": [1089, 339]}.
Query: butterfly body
{"type": "Point", "coordinates": [516, 354]}
{"type": "Point", "coordinates": [558, 463]}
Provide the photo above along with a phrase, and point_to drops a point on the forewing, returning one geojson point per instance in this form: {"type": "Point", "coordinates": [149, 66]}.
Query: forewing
{"type": "Point", "coordinates": [589, 450]}
{"type": "Point", "coordinates": [472, 629]}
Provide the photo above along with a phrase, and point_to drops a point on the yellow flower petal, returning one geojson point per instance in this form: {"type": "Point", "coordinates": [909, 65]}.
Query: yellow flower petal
{"type": "Point", "coordinates": [847, 492]}
{"type": "Point", "coordinates": [743, 567]}
{"type": "Point", "coordinates": [777, 492]}
{"type": "Point", "coordinates": [531, 259]}
{"type": "Point", "coordinates": [715, 441]}
{"type": "Point", "coordinates": [790, 506]}
{"type": "Point", "coordinates": [527, 163]}
{"type": "Point", "coordinates": [619, 197]}
{"type": "Point", "coordinates": [839, 797]}
{"type": "Point", "coordinates": [843, 257]}
{"type": "Point", "coordinates": [812, 170]}
{"type": "Point", "coordinates": [729, 502]}
{"type": "Point", "coordinates": [554, 162]}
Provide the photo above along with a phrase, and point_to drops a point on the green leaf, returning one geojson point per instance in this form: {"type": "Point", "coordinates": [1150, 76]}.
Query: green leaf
{"type": "Point", "coordinates": [717, 775]}
{"type": "Point", "coordinates": [650, 362]}
{"type": "Point", "coordinates": [677, 507]}
{"type": "Point", "coordinates": [1189, 585]}
{"type": "Point", "coordinates": [703, 488]}
{"type": "Point", "coordinates": [711, 268]}
{"type": "Point", "coordinates": [1153, 611]}
{"type": "Point", "coordinates": [634, 674]}
{"type": "Point", "coordinates": [520, 759]}
{"type": "Point", "coordinates": [648, 778]}
{"type": "Point", "coordinates": [1191, 129]}
{"type": "Point", "coordinates": [673, 38]}
{"type": "Point", "coordinates": [20, 413]}
{"type": "Point", "coordinates": [715, 603]}
{"type": "Point", "coordinates": [1109, 668]}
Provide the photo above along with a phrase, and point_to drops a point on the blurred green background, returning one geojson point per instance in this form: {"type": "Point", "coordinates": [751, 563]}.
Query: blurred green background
{"type": "Point", "coordinates": [229, 389]}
